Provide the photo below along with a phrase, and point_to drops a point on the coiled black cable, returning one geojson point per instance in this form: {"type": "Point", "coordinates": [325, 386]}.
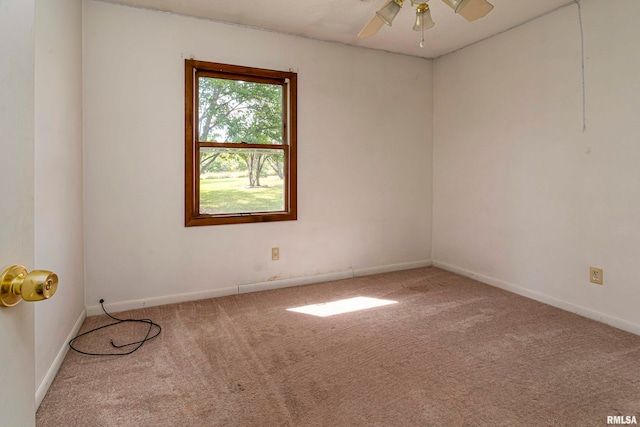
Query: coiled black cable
{"type": "Point", "coordinates": [147, 337]}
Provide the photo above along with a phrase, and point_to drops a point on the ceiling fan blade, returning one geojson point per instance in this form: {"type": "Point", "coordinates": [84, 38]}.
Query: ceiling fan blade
{"type": "Point", "coordinates": [372, 27]}
{"type": "Point", "coordinates": [476, 9]}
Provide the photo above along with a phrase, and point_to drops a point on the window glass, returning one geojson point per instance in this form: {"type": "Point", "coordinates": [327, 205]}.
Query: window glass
{"type": "Point", "coordinates": [239, 111]}
{"type": "Point", "coordinates": [236, 180]}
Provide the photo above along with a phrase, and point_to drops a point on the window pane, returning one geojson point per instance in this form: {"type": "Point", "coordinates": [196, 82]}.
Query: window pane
{"type": "Point", "coordinates": [239, 111]}
{"type": "Point", "coordinates": [241, 180]}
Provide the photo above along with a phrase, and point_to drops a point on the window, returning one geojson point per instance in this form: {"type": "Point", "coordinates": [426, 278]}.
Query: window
{"type": "Point", "coordinates": [240, 144]}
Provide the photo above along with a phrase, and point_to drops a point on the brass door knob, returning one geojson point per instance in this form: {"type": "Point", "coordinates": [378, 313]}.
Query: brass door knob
{"type": "Point", "coordinates": [16, 284]}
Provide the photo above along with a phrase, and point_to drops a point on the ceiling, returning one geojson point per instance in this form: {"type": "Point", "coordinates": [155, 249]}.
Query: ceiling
{"type": "Point", "coordinates": [341, 20]}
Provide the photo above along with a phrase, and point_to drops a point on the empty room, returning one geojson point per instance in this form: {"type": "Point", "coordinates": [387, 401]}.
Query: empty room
{"type": "Point", "coordinates": [319, 213]}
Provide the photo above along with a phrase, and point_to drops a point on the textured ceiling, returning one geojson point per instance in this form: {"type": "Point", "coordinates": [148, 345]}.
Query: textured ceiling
{"type": "Point", "coordinates": [341, 20]}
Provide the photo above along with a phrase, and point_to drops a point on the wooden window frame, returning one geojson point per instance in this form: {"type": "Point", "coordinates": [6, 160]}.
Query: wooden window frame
{"type": "Point", "coordinates": [288, 80]}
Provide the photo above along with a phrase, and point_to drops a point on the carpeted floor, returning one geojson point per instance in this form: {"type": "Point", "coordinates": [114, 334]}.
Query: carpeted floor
{"type": "Point", "coordinates": [451, 352]}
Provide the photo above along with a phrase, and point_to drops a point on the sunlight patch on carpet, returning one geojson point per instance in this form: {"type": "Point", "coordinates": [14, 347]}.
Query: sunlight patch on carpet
{"type": "Point", "coordinates": [348, 305]}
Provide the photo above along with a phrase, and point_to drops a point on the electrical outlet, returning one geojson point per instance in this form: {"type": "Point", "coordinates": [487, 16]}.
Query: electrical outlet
{"type": "Point", "coordinates": [595, 275]}
{"type": "Point", "coordinates": [275, 254]}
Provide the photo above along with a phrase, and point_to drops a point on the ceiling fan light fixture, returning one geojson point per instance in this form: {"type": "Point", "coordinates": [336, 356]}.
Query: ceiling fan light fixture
{"type": "Point", "coordinates": [457, 5]}
{"type": "Point", "coordinates": [470, 10]}
{"type": "Point", "coordinates": [423, 18]}
{"type": "Point", "coordinates": [389, 11]}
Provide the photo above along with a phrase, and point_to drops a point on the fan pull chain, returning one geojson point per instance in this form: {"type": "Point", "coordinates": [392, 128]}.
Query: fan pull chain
{"type": "Point", "coordinates": [422, 41]}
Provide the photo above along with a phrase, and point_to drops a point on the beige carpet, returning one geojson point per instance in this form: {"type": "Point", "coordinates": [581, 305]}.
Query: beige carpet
{"type": "Point", "coordinates": [451, 352]}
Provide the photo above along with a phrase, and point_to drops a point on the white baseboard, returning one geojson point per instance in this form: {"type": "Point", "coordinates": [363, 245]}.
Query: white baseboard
{"type": "Point", "coordinates": [296, 281]}
{"type": "Point", "coordinates": [41, 392]}
{"type": "Point", "coordinates": [115, 307]}
{"type": "Point", "coordinates": [616, 322]}
{"type": "Point", "coordinates": [391, 267]}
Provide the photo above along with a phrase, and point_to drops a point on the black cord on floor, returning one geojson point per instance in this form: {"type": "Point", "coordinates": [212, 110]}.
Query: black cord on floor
{"type": "Point", "coordinates": [147, 337]}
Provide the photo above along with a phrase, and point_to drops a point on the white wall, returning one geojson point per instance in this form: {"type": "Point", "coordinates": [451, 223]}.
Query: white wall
{"type": "Point", "coordinates": [364, 194]}
{"type": "Point", "coordinates": [522, 197]}
{"type": "Point", "coordinates": [58, 178]}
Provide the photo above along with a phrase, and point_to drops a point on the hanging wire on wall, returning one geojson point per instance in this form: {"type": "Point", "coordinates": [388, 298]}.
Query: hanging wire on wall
{"type": "Point", "coordinates": [584, 93]}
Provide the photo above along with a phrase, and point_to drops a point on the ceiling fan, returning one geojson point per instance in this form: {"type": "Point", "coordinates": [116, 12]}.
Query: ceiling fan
{"type": "Point", "coordinates": [468, 9]}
